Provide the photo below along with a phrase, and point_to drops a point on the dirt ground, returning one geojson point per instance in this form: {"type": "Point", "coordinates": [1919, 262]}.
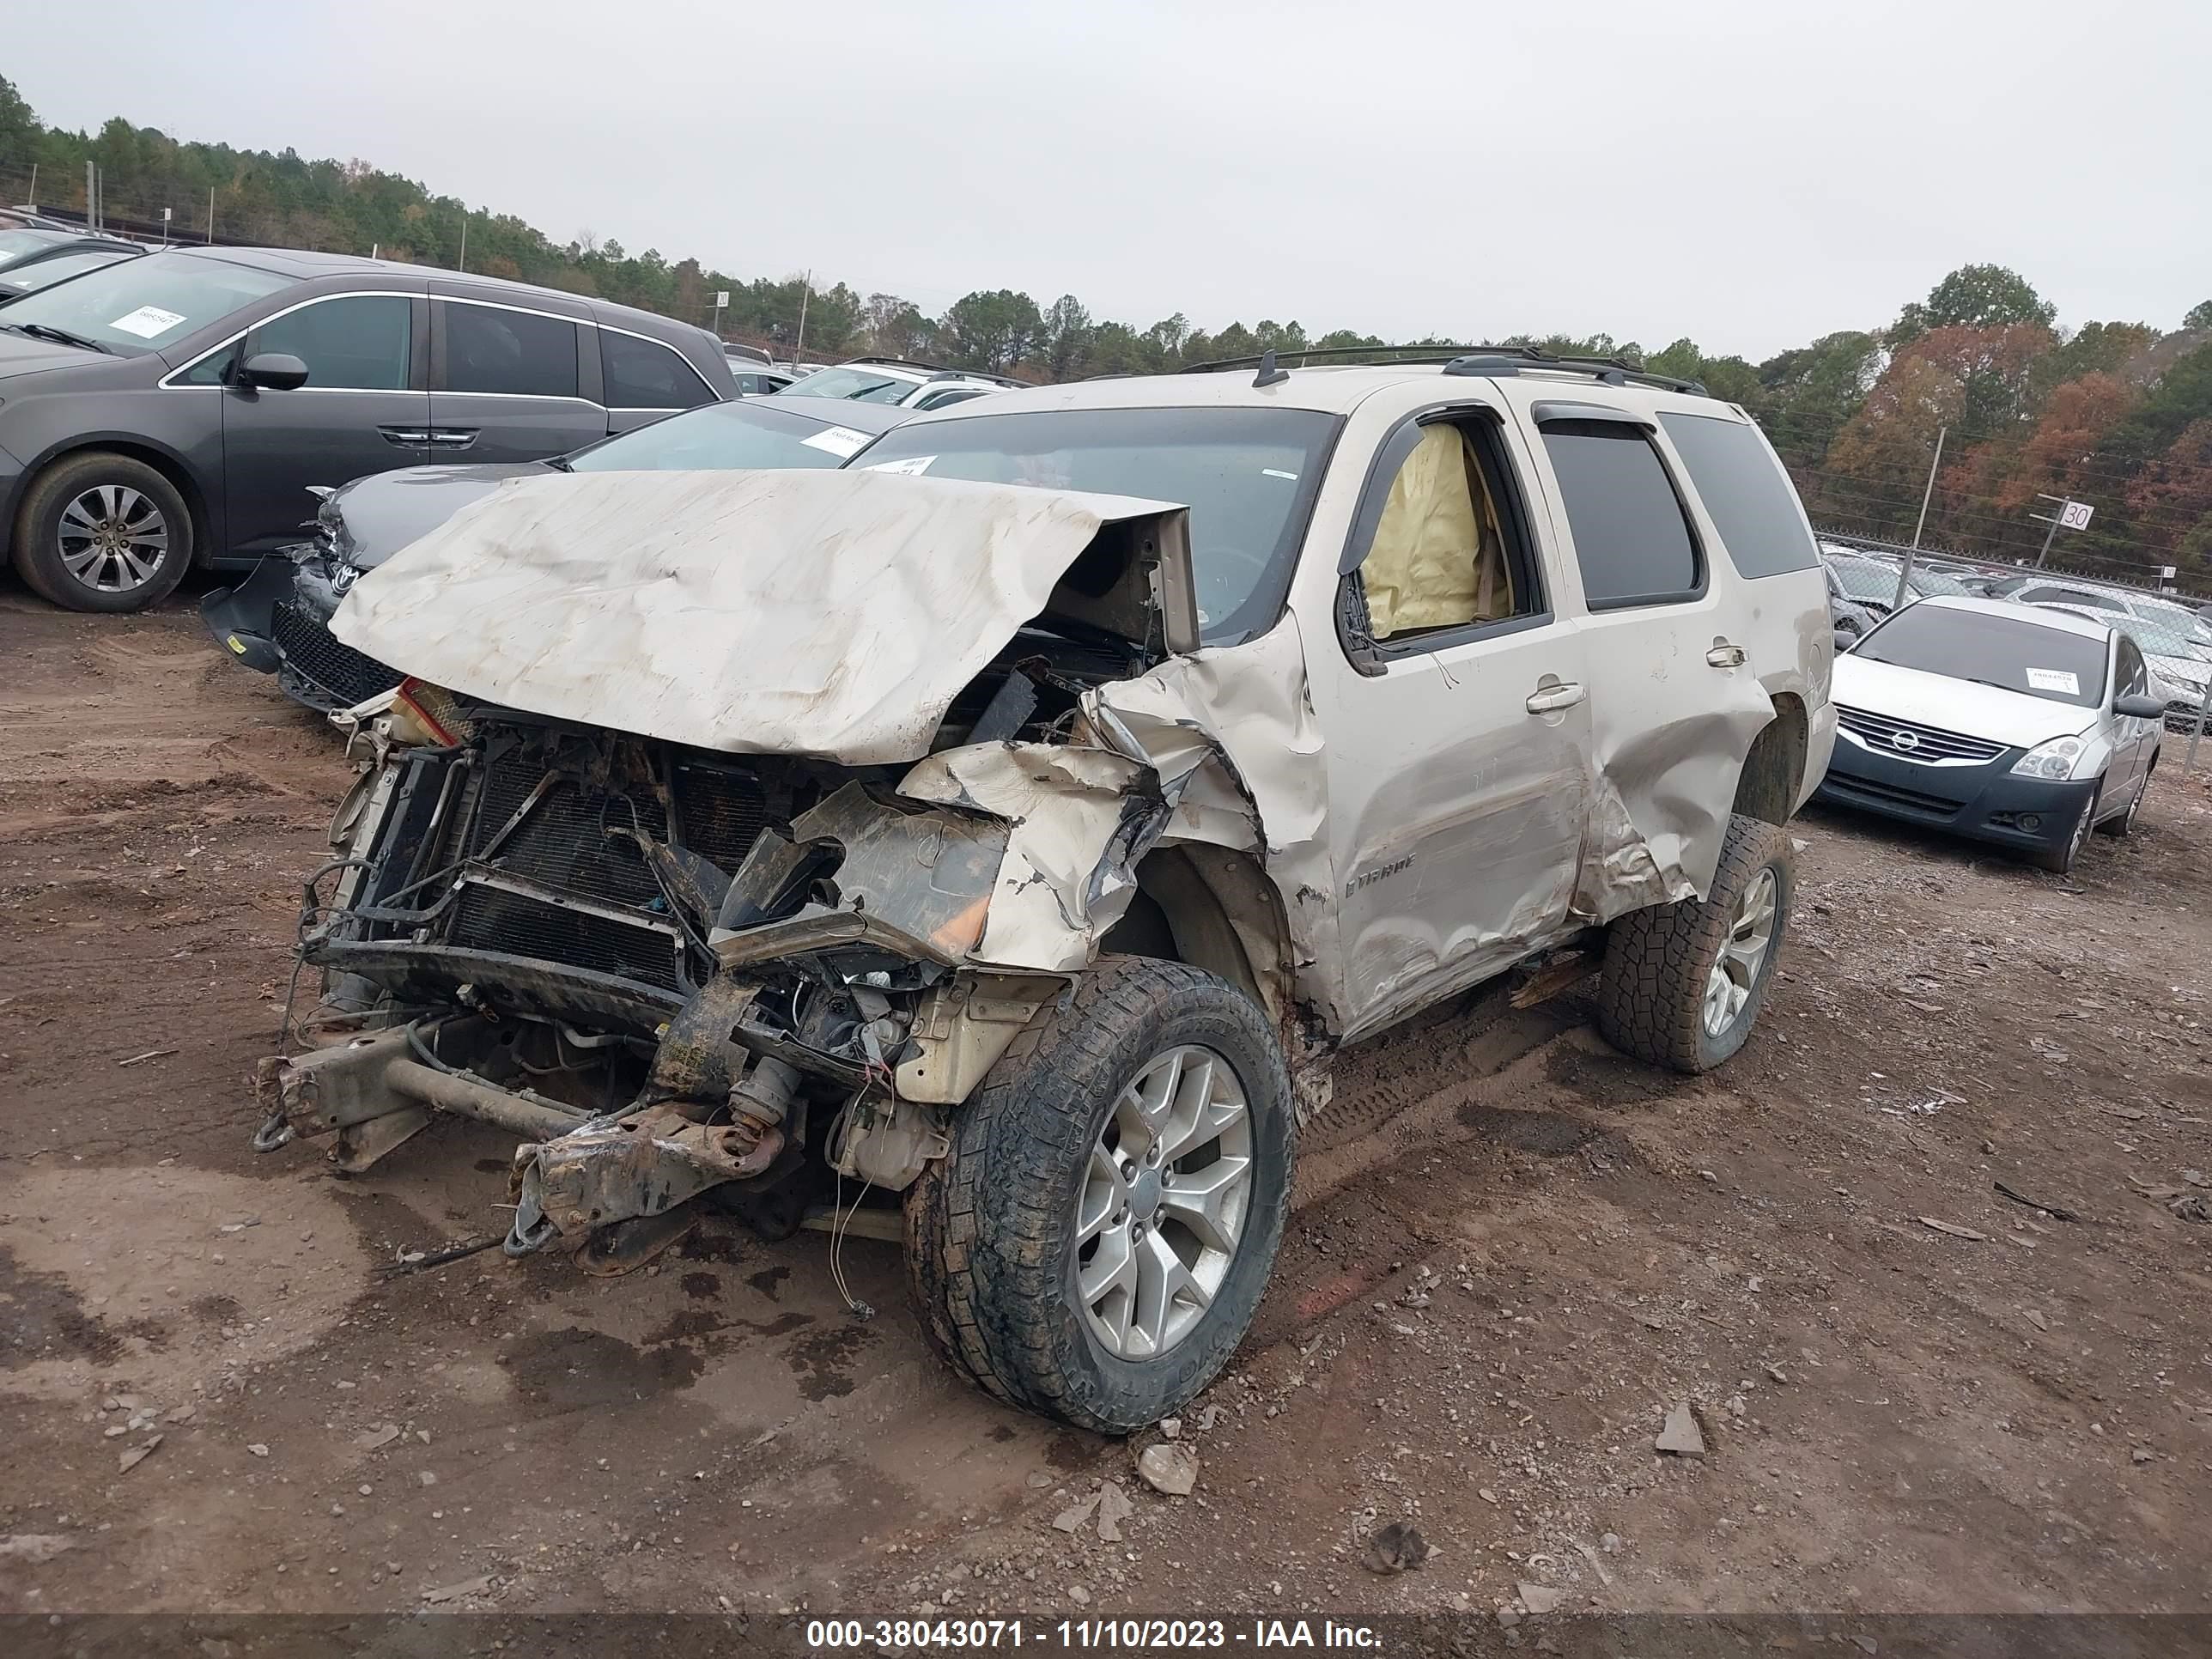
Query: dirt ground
{"type": "Point", "coordinates": [1515, 1252]}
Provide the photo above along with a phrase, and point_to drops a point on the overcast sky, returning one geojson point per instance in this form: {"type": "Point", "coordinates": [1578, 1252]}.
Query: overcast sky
{"type": "Point", "coordinates": [1750, 175]}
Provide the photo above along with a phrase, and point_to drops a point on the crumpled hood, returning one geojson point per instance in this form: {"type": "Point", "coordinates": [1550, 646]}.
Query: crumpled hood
{"type": "Point", "coordinates": [379, 515]}
{"type": "Point", "coordinates": [2013, 718]}
{"type": "Point", "coordinates": [828, 614]}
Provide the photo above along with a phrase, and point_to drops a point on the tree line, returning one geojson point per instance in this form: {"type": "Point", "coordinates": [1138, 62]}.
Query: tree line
{"type": "Point", "coordinates": [2115, 413]}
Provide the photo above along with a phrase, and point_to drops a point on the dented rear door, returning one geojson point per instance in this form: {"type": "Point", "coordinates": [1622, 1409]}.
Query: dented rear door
{"type": "Point", "coordinates": [1675, 697]}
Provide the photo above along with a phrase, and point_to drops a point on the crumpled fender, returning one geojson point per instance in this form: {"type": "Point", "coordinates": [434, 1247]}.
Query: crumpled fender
{"type": "Point", "coordinates": [1220, 746]}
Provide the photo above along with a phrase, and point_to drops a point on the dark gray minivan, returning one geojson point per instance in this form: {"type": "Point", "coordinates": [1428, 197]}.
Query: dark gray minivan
{"type": "Point", "coordinates": [174, 410]}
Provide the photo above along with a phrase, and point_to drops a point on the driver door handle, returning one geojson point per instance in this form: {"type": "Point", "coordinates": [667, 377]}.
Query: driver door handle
{"type": "Point", "coordinates": [407, 437]}
{"type": "Point", "coordinates": [1725, 655]}
{"type": "Point", "coordinates": [1550, 699]}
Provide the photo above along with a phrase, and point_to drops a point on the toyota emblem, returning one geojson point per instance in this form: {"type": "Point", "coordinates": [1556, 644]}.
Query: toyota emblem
{"type": "Point", "coordinates": [1904, 740]}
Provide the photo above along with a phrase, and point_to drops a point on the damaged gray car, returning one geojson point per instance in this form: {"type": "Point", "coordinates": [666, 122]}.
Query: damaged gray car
{"type": "Point", "coordinates": [1010, 829]}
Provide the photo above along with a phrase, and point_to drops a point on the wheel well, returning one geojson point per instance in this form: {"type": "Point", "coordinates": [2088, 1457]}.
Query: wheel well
{"type": "Point", "coordinates": [169, 467]}
{"type": "Point", "coordinates": [1213, 909]}
{"type": "Point", "coordinates": [1766, 788]}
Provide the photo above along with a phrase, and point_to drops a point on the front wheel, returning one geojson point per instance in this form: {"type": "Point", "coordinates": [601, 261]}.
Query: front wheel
{"type": "Point", "coordinates": [2125, 824]}
{"type": "Point", "coordinates": [1095, 1244]}
{"type": "Point", "coordinates": [102, 531]}
{"type": "Point", "coordinates": [2061, 859]}
{"type": "Point", "coordinates": [1683, 984]}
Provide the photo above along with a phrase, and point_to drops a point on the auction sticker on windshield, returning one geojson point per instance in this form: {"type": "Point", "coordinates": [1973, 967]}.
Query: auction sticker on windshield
{"type": "Point", "coordinates": [2054, 679]}
{"type": "Point", "coordinates": [148, 321]}
{"type": "Point", "coordinates": [913, 466]}
{"type": "Point", "coordinates": [840, 440]}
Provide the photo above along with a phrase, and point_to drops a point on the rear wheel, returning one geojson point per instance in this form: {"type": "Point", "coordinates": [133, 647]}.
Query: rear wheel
{"type": "Point", "coordinates": [1095, 1242]}
{"type": "Point", "coordinates": [101, 531]}
{"type": "Point", "coordinates": [1683, 984]}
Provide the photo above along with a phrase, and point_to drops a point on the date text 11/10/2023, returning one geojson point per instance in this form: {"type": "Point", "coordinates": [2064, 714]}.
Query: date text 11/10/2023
{"type": "Point", "coordinates": [1082, 1634]}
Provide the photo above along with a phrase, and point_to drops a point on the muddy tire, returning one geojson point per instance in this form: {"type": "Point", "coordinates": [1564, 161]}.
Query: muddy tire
{"type": "Point", "coordinates": [101, 531]}
{"type": "Point", "coordinates": [1103, 1151]}
{"type": "Point", "coordinates": [1683, 984]}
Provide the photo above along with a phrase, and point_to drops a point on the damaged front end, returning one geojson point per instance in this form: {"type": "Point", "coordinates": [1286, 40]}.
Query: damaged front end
{"type": "Point", "coordinates": [277, 621]}
{"type": "Point", "coordinates": [683, 975]}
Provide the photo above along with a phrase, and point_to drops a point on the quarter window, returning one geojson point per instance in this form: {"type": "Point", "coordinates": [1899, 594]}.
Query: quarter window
{"type": "Point", "coordinates": [645, 374]}
{"type": "Point", "coordinates": [362, 342]}
{"type": "Point", "coordinates": [1746, 493]}
{"type": "Point", "coordinates": [1632, 540]}
{"type": "Point", "coordinates": [518, 354]}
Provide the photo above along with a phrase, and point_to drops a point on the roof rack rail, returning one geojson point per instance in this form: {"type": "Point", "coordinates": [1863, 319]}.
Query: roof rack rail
{"type": "Point", "coordinates": [1484, 360]}
{"type": "Point", "coordinates": [1431, 354]}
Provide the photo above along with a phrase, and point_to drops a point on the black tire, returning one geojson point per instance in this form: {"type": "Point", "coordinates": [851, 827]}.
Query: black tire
{"type": "Point", "coordinates": [1659, 961]}
{"type": "Point", "coordinates": [991, 1236]}
{"type": "Point", "coordinates": [2060, 859]}
{"type": "Point", "coordinates": [111, 582]}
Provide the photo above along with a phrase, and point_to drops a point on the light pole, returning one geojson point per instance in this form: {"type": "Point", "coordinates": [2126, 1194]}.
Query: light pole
{"type": "Point", "coordinates": [1905, 570]}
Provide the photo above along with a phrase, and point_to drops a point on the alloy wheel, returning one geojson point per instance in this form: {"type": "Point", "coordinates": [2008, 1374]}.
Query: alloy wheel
{"type": "Point", "coordinates": [1750, 936]}
{"type": "Point", "coordinates": [1164, 1202]}
{"type": "Point", "coordinates": [114, 538]}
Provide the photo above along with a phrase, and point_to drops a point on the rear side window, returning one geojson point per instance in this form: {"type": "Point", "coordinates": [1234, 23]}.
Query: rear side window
{"type": "Point", "coordinates": [645, 374]}
{"type": "Point", "coordinates": [1631, 538]}
{"type": "Point", "coordinates": [1746, 493]}
{"type": "Point", "coordinates": [520, 353]}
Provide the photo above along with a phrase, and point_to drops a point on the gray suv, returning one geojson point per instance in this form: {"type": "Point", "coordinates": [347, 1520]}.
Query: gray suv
{"type": "Point", "coordinates": [172, 410]}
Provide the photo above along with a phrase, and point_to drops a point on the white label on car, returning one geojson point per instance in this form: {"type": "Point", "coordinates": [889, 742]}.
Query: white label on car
{"type": "Point", "coordinates": [2054, 679]}
{"type": "Point", "coordinates": [839, 440]}
{"type": "Point", "coordinates": [148, 321]}
{"type": "Point", "coordinates": [914, 466]}
{"type": "Point", "coordinates": [1278, 472]}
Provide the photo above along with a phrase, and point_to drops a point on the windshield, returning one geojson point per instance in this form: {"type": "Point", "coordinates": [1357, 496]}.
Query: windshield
{"type": "Point", "coordinates": [864, 386]}
{"type": "Point", "coordinates": [1247, 475]}
{"type": "Point", "coordinates": [722, 437]}
{"type": "Point", "coordinates": [2179, 621]}
{"type": "Point", "coordinates": [45, 273]}
{"type": "Point", "coordinates": [2158, 638]}
{"type": "Point", "coordinates": [1863, 580]}
{"type": "Point", "coordinates": [137, 305]}
{"type": "Point", "coordinates": [1929, 583]}
{"type": "Point", "coordinates": [14, 243]}
{"type": "Point", "coordinates": [2014, 653]}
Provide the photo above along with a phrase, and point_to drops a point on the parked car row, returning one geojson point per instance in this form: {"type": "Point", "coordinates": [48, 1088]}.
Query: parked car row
{"type": "Point", "coordinates": [165, 410]}
{"type": "Point", "coordinates": [32, 257]}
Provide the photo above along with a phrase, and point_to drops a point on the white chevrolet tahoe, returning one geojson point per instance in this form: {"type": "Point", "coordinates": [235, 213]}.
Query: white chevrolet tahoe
{"type": "Point", "coordinates": [1012, 826]}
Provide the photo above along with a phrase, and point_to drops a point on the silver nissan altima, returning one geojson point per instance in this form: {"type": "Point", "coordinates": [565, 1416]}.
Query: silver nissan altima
{"type": "Point", "coordinates": [2025, 728]}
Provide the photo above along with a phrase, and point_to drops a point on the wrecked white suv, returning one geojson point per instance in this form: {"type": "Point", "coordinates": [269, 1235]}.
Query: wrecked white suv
{"type": "Point", "coordinates": [1012, 826]}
